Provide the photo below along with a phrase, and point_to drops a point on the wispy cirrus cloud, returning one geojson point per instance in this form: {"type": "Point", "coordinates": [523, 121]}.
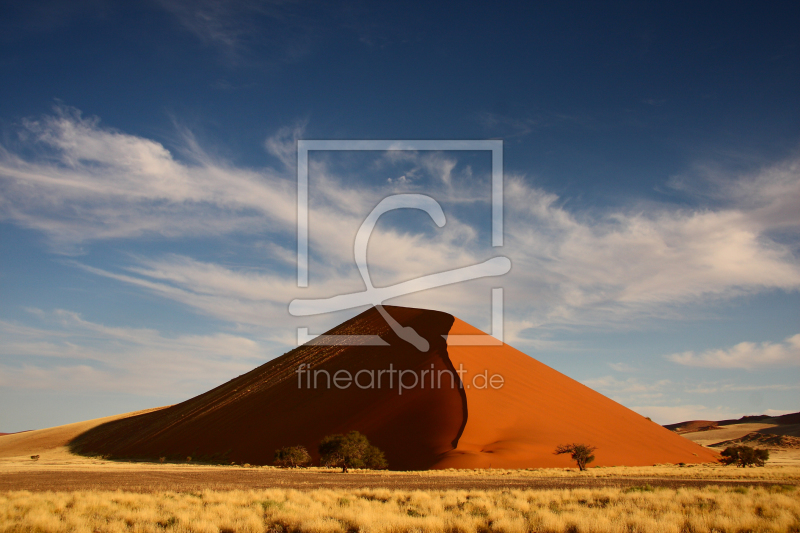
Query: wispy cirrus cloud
{"type": "Point", "coordinates": [237, 29]}
{"type": "Point", "coordinates": [745, 355]}
{"type": "Point", "coordinates": [66, 352]}
{"type": "Point", "coordinates": [88, 183]}
{"type": "Point", "coordinates": [80, 183]}
{"type": "Point", "coordinates": [622, 367]}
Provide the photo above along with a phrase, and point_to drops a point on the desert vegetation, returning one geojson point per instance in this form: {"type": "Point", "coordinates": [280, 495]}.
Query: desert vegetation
{"type": "Point", "coordinates": [580, 453]}
{"type": "Point", "coordinates": [638, 509]}
{"type": "Point", "coordinates": [350, 450]}
{"type": "Point", "coordinates": [292, 456]}
{"type": "Point", "coordinates": [345, 451]}
{"type": "Point", "coordinates": [744, 456]}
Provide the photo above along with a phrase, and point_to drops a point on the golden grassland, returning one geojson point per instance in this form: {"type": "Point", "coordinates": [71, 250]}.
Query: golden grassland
{"type": "Point", "coordinates": [707, 471]}
{"type": "Point", "coordinates": [639, 509]}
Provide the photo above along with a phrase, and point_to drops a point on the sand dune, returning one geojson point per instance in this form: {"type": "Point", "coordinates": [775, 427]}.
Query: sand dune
{"type": "Point", "coordinates": [248, 418]}
{"type": "Point", "coordinates": [41, 441]}
{"type": "Point", "coordinates": [430, 425]}
{"type": "Point", "coordinates": [538, 408]}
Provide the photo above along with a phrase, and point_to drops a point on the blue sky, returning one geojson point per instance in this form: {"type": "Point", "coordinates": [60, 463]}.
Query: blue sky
{"type": "Point", "coordinates": [148, 189]}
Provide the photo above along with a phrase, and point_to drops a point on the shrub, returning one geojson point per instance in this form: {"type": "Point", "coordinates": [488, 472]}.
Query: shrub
{"type": "Point", "coordinates": [292, 456]}
{"type": "Point", "coordinates": [374, 459]}
{"type": "Point", "coordinates": [744, 456]}
{"type": "Point", "coordinates": [351, 450]}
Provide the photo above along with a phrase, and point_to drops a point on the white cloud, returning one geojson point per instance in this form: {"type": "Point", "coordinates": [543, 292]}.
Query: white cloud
{"type": "Point", "coordinates": [638, 263]}
{"type": "Point", "coordinates": [748, 355]}
{"type": "Point", "coordinates": [613, 268]}
{"type": "Point", "coordinates": [283, 144]}
{"type": "Point", "coordinates": [610, 384]}
{"type": "Point", "coordinates": [770, 195]}
{"type": "Point", "coordinates": [90, 183]}
{"type": "Point", "coordinates": [622, 367]}
{"type": "Point", "coordinates": [255, 298]}
{"type": "Point", "coordinates": [71, 353]}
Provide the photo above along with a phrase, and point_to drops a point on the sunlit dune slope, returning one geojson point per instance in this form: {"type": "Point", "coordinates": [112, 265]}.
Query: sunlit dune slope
{"type": "Point", "coordinates": [45, 440]}
{"type": "Point", "coordinates": [520, 424]}
{"type": "Point", "coordinates": [248, 418]}
{"type": "Point", "coordinates": [515, 426]}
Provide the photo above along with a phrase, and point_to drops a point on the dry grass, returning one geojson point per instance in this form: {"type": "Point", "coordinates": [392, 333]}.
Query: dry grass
{"type": "Point", "coordinates": [708, 471]}
{"type": "Point", "coordinates": [710, 509]}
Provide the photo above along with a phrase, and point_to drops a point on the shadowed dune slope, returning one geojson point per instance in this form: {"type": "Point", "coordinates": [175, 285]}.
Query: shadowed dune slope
{"type": "Point", "coordinates": [248, 418]}
{"type": "Point", "coordinates": [537, 408]}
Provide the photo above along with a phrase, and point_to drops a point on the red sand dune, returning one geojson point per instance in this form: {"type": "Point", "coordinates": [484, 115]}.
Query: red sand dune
{"type": "Point", "coordinates": [519, 425]}
{"type": "Point", "coordinates": [441, 426]}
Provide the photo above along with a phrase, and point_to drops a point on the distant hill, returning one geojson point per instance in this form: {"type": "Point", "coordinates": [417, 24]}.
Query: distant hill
{"type": "Point", "coordinates": [707, 425]}
{"type": "Point", "coordinates": [14, 432]}
{"type": "Point", "coordinates": [762, 440]}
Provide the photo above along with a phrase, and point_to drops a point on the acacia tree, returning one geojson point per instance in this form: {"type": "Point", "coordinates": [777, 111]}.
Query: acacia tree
{"type": "Point", "coordinates": [580, 453]}
{"type": "Point", "coordinates": [744, 456]}
{"type": "Point", "coordinates": [292, 456]}
{"type": "Point", "coordinates": [351, 450]}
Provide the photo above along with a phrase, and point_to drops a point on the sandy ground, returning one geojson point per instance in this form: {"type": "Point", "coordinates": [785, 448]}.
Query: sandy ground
{"type": "Point", "coordinates": [77, 473]}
